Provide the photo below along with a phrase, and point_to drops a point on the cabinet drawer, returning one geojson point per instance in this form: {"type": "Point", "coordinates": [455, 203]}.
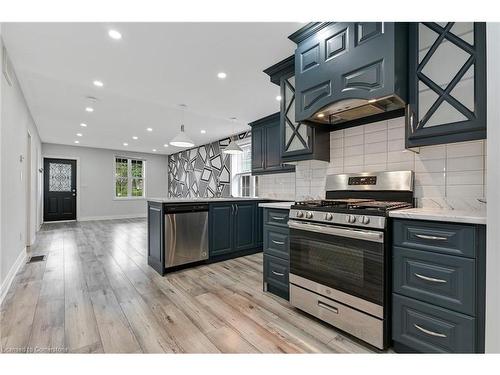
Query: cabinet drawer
{"type": "Point", "coordinates": [276, 241]}
{"type": "Point", "coordinates": [431, 329]}
{"type": "Point", "coordinates": [276, 217]}
{"type": "Point", "coordinates": [443, 280]}
{"type": "Point", "coordinates": [446, 238]}
{"type": "Point", "coordinates": [276, 272]}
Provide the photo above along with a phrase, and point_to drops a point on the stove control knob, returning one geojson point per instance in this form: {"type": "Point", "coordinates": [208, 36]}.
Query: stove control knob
{"type": "Point", "coordinates": [299, 214]}
{"type": "Point", "coordinates": [309, 215]}
{"type": "Point", "coordinates": [365, 220]}
{"type": "Point", "coordinates": [350, 219]}
{"type": "Point", "coordinates": [329, 216]}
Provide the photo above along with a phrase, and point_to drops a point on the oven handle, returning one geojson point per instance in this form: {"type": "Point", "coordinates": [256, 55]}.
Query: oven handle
{"type": "Point", "coordinates": [338, 231]}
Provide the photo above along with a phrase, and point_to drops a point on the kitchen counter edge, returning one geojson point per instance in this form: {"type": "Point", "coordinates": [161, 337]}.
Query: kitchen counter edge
{"type": "Point", "coordinates": [453, 216]}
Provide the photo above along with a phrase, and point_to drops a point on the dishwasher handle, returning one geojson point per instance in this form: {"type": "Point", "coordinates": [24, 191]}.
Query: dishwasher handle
{"type": "Point", "coordinates": [185, 208]}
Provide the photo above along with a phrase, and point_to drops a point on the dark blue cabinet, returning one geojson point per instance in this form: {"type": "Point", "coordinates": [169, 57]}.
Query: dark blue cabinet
{"type": "Point", "coordinates": [276, 252]}
{"type": "Point", "coordinates": [266, 146]}
{"type": "Point", "coordinates": [298, 141]}
{"type": "Point", "coordinates": [447, 83]}
{"type": "Point", "coordinates": [438, 287]}
{"type": "Point", "coordinates": [338, 61]}
{"type": "Point", "coordinates": [221, 228]}
{"type": "Point", "coordinates": [233, 229]}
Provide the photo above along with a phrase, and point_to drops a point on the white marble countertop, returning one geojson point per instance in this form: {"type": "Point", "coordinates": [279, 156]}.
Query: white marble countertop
{"type": "Point", "coordinates": [208, 200]}
{"type": "Point", "coordinates": [279, 205]}
{"type": "Point", "coordinates": [436, 214]}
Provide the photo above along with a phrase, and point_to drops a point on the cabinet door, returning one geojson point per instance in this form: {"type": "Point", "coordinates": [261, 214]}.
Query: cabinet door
{"type": "Point", "coordinates": [296, 138]}
{"type": "Point", "coordinates": [244, 230]}
{"type": "Point", "coordinates": [447, 80]}
{"type": "Point", "coordinates": [221, 229]}
{"type": "Point", "coordinates": [272, 136]}
{"type": "Point", "coordinates": [258, 156]}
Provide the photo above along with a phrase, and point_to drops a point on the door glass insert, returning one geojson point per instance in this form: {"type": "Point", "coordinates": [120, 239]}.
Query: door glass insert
{"type": "Point", "coordinates": [441, 67]}
{"type": "Point", "coordinates": [464, 90]}
{"type": "Point", "coordinates": [445, 63]}
{"type": "Point", "coordinates": [59, 177]}
{"type": "Point", "coordinates": [445, 114]}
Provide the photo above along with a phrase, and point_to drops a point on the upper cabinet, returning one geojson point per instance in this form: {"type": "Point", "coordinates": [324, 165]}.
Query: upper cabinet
{"type": "Point", "coordinates": [447, 83]}
{"type": "Point", "coordinates": [266, 148]}
{"type": "Point", "coordinates": [298, 141]}
{"type": "Point", "coordinates": [348, 71]}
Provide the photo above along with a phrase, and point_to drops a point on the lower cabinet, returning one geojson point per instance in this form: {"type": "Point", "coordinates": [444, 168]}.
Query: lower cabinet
{"type": "Point", "coordinates": [438, 299]}
{"type": "Point", "coordinates": [276, 252]}
{"type": "Point", "coordinates": [233, 228]}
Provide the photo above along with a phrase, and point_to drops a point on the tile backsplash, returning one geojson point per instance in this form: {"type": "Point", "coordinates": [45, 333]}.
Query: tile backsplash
{"type": "Point", "coordinates": [447, 176]}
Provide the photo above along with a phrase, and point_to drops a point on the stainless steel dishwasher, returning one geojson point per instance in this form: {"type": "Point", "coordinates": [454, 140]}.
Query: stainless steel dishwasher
{"type": "Point", "coordinates": [186, 234]}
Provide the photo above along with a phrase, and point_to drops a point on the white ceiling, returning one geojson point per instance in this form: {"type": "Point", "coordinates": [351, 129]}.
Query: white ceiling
{"type": "Point", "coordinates": [147, 74]}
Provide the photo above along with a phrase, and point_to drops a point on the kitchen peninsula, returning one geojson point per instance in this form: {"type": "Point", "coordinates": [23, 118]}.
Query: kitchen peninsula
{"type": "Point", "coordinates": [188, 231]}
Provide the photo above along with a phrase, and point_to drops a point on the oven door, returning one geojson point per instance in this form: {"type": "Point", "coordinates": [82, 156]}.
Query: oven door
{"type": "Point", "coordinates": [345, 259]}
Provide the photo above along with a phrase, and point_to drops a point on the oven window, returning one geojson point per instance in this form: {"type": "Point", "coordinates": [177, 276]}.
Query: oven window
{"type": "Point", "coordinates": [350, 265]}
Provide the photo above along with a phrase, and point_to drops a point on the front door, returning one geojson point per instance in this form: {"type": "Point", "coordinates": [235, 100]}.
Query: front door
{"type": "Point", "coordinates": [59, 189]}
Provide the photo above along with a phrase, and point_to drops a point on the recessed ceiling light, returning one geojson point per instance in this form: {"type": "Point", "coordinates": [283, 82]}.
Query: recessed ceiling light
{"type": "Point", "coordinates": [98, 83]}
{"type": "Point", "coordinates": [221, 75]}
{"type": "Point", "coordinates": [134, 137]}
{"type": "Point", "coordinates": [154, 149]}
{"type": "Point", "coordinates": [278, 98]}
{"type": "Point", "coordinates": [89, 109]}
{"type": "Point", "coordinates": [79, 134]}
{"type": "Point", "coordinates": [125, 143]}
{"type": "Point", "coordinates": [113, 34]}
{"type": "Point", "coordinates": [320, 115]}
{"type": "Point", "coordinates": [77, 141]}
{"type": "Point", "coordinates": [203, 131]}
{"type": "Point", "coordinates": [83, 125]}
{"type": "Point", "coordinates": [149, 129]}
{"type": "Point", "coordinates": [165, 145]}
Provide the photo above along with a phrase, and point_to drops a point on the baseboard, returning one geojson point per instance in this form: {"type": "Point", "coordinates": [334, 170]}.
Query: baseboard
{"type": "Point", "coordinates": [21, 259]}
{"type": "Point", "coordinates": [113, 217]}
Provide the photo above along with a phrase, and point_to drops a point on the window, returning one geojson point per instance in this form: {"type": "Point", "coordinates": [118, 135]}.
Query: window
{"type": "Point", "coordinates": [243, 183]}
{"type": "Point", "coordinates": [129, 178]}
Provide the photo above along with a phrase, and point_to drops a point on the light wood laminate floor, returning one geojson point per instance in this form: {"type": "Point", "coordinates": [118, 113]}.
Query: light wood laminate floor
{"type": "Point", "coordinates": [95, 293]}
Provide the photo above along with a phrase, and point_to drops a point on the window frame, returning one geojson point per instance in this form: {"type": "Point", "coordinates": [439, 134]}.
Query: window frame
{"type": "Point", "coordinates": [129, 178]}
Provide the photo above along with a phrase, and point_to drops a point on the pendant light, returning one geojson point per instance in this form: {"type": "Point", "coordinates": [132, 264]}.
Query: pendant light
{"type": "Point", "coordinates": [233, 148]}
{"type": "Point", "coordinates": [181, 139]}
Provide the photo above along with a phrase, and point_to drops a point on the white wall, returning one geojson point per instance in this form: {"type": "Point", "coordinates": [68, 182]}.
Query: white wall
{"type": "Point", "coordinates": [493, 241]}
{"type": "Point", "coordinates": [16, 122]}
{"type": "Point", "coordinates": [95, 176]}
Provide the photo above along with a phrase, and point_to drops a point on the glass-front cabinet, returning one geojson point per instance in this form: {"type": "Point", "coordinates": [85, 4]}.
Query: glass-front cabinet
{"type": "Point", "coordinates": [296, 137]}
{"type": "Point", "coordinates": [298, 141]}
{"type": "Point", "coordinates": [447, 80]}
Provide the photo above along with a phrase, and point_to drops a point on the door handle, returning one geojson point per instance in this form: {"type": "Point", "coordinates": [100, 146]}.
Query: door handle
{"type": "Point", "coordinates": [328, 307]}
{"type": "Point", "coordinates": [430, 333]}
{"type": "Point", "coordinates": [74, 194]}
{"type": "Point", "coordinates": [431, 279]}
{"type": "Point", "coordinates": [278, 242]}
{"type": "Point", "coordinates": [426, 237]}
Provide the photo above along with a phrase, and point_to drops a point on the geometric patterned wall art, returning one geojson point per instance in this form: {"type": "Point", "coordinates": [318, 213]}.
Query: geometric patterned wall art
{"type": "Point", "coordinates": [204, 171]}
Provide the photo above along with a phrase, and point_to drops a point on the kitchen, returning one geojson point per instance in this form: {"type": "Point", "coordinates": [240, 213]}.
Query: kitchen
{"type": "Point", "coordinates": [344, 211]}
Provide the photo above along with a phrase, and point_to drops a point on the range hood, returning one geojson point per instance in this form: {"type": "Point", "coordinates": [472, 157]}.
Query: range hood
{"type": "Point", "coordinates": [348, 71]}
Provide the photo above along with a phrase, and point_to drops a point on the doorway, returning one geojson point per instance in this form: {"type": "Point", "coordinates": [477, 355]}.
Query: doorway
{"type": "Point", "coordinates": [28, 191]}
{"type": "Point", "coordinates": [59, 189]}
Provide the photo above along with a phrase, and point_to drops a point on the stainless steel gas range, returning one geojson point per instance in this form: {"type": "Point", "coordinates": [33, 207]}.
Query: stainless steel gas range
{"type": "Point", "coordinates": [340, 254]}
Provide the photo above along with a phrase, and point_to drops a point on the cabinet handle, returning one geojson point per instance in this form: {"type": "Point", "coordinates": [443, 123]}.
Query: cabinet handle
{"type": "Point", "coordinates": [277, 273]}
{"type": "Point", "coordinates": [278, 242]}
{"type": "Point", "coordinates": [427, 278]}
{"type": "Point", "coordinates": [426, 237]}
{"type": "Point", "coordinates": [277, 218]}
{"type": "Point", "coordinates": [430, 333]}
{"type": "Point", "coordinates": [236, 207]}
{"type": "Point", "coordinates": [328, 307]}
